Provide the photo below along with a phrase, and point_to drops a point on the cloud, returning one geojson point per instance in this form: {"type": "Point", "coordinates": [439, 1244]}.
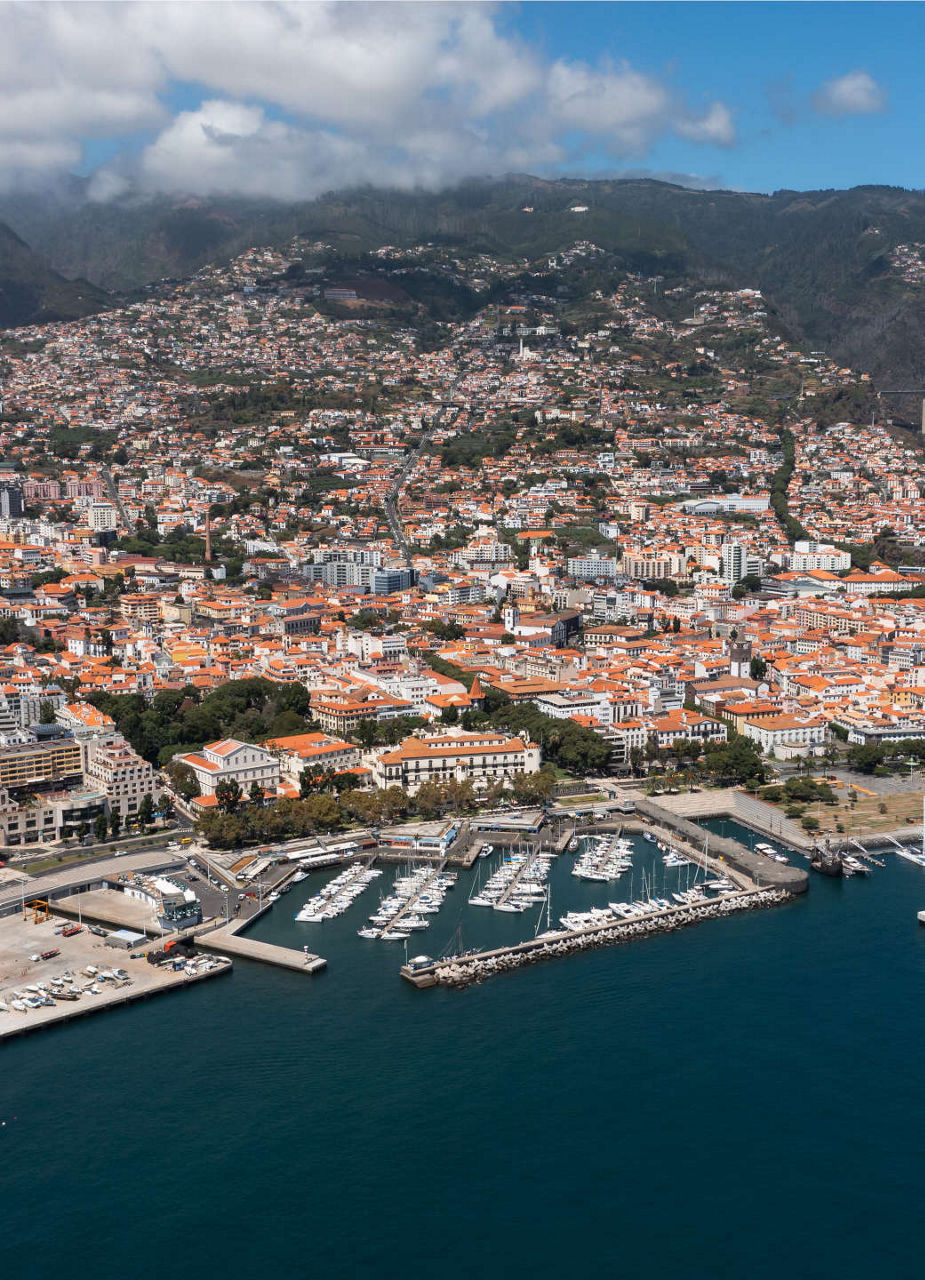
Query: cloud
{"type": "Point", "coordinates": [303, 97]}
{"type": "Point", "coordinates": [854, 94]}
{"type": "Point", "coordinates": [715, 125]}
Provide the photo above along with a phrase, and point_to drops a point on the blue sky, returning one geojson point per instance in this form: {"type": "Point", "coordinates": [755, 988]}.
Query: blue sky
{"type": "Point", "coordinates": [753, 54]}
{"type": "Point", "coordinates": [295, 98]}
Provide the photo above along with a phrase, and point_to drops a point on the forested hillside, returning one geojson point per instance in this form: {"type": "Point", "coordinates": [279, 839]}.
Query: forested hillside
{"type": "Point", "coordinates": [825, 259]}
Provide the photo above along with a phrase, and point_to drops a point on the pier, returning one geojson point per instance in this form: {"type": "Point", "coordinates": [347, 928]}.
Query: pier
{"type": "Point", "coordinates": [517, 877]}
{"type": "Point", "coordinates": [226, 940]}
{"type": "Point", "coordinates": [20, 974]}
{"type": "Point", "coordinates": [410, 904]}
{"type": "Point", "coordinates": [460, 971]}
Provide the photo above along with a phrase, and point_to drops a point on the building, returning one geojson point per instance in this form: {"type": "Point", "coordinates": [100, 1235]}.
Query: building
{"type": "Point", "coordinates": [684, 725]}
{"type": "Point", "coordinates": [313, 752]}
{"type": "Point", "coordinates": [382, 648]}
{"type": "Point", "coordinates": [11, 501]}
{"type": "Point", "coordinates": [737, 562]}
{"type": "Point", "coordinates": [23, 705]}
{"type": "Point", "coordinates": [785, 736]}
{"type": "Point", "coordinates": [808, 554]}
{"type": "Point", "coordinates": [46, 816]}
{"type": "Point", "coordinates": [35, 764]}
{"type": "Point", "coordinates": [232, 761]}
{"type": "Point", "coordinates": [174, 905]}
{"type": "Point", "coordinates": [118, 770]}
{"type": "Point", "coordinates": [480, 758]}
{"type": "Point", "coordinates": [592, 567]}
{"type": "Point", "coordinates": [102, 517]}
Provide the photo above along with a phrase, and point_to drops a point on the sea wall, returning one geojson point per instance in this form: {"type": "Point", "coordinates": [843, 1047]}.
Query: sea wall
{"type": "Point", "coordinates": [760, 870]}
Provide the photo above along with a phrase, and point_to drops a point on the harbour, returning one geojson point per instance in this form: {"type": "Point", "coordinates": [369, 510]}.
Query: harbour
{"type": "Point", "coordinates": [753, 1015]}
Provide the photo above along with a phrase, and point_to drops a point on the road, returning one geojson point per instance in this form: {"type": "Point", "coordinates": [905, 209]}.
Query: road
{"type": "Point", "coordinates": [114, 497]}
{"type": "Point", "coordinates": [394, 493]}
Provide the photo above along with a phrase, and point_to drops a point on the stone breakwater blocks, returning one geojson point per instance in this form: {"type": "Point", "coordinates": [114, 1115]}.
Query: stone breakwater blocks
{"type": "Point", "coordinates": [477, 969]}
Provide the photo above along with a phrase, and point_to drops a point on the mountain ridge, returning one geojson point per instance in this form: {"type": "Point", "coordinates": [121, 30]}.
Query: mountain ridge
{"type": "Point", "coordinates": [823, 258]}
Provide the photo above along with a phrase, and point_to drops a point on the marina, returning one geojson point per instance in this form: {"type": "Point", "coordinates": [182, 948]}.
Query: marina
{"type": "Point", "coordinates": [416, 895]}
{"type": "Point", "coordinates": [337, 895]}
{"type": "Point", "coordinates": [705, 997]}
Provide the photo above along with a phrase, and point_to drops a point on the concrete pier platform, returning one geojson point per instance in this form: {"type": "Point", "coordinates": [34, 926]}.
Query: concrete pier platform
{"type": "Point", "coordinates": [226, 942]}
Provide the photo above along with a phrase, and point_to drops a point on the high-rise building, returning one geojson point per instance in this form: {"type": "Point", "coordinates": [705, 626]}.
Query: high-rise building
{"type": "Point", "coordinates": [11, 501]}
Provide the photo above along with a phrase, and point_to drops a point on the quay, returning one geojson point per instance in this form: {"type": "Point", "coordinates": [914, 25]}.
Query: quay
{"type": "Point", "coordinates": [20, 939]}
{"type": "Point", "coordinates": [461, 970]}
{"type": "Point", "coordinates": [517, 877]}
{"type": "Point", "coordinates": [720, 853]}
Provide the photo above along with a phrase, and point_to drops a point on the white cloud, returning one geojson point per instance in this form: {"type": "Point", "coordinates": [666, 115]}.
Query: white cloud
{"type": "Point", "coordinates": [716, 125]}
{"type": "Point", "coordinates": [624, 105]}
{"type": "Point", "coordinates": [854, 94]}
{"type": "Point", "coordinates": [301, 97]}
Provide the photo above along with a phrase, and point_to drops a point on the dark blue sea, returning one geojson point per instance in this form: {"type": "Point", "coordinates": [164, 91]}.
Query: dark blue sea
{"type": "Point", "coordinates": [741, 1099]}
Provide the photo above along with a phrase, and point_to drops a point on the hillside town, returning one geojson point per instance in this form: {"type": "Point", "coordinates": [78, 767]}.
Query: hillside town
{"type": "Point", "coordinates": [284, 548]}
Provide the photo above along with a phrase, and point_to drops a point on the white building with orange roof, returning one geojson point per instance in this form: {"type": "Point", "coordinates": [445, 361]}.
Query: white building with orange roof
{"type": "Point", "coordinates": [232, 761]}
{"type": "Point", "coordinates": [480, 758]}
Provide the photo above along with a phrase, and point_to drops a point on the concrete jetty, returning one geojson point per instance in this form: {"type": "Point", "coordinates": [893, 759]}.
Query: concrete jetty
{"type": "Point", "coordinates": [725, 855]}
{"type": "Point", "coordinates": [225, 941]}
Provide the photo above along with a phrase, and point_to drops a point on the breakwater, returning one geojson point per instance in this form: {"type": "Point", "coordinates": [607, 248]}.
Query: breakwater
{"type": "Point", "coordinates": [460, 971]}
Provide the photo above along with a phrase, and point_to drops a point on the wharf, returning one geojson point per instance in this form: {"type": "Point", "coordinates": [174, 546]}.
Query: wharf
{"type": "Point", "coordinates": [110, 907]}
{"type": "Point", "coordinates": [517, 877]}
{"type": "Point", "coordinates": [20, 939]}
{"type": "Point", "coordinates": [409, 905]}
{"type": "Point", "coordinates": [225, 941]}
{"type": "Point", "coordinates": [726, 857]}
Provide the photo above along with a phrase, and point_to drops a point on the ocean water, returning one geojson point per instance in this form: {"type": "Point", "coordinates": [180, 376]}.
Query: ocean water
{"type": "Point", "coordinates": [742, 1099]}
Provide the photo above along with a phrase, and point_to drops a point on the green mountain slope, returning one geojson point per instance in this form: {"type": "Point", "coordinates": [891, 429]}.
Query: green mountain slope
{"type": "Point", "coordinates": [31, 292]}
{"type": "Point", "coordinates": [821, 257]}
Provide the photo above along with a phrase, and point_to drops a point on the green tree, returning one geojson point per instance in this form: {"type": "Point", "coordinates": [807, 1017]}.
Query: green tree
{"type": "Point", "coordinates": [100, 827]}
{"type": "Point", "coordinates": [255, 794]}
{"type": "Point", "coordinates": [115, 823]}
{"type": "Point", "coordinates": [146, 811]}
{"type": "Point", "coordinates": [183, 780]}
{"type": "Point", "coordinates": [429, 800]}
{"type": "Point", "coordinates": [228, 795]}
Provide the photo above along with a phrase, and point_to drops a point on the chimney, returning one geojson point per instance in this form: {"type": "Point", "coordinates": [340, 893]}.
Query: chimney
{"type": "Point", "coordinates": [208, 539]}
